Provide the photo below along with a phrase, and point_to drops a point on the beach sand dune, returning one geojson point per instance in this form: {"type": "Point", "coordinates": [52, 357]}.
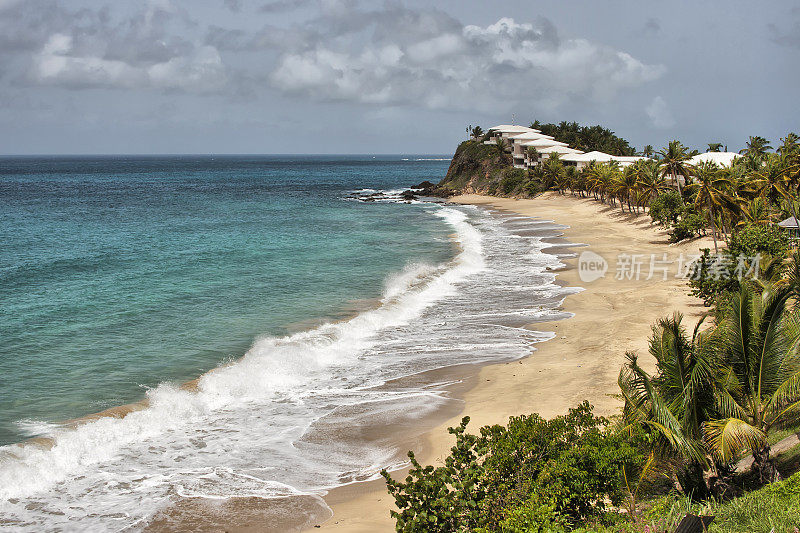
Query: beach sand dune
{"type": "Point", "coordinates": [611, 316]}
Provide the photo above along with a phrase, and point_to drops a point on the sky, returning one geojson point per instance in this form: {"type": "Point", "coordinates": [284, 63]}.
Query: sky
{"type": "Point", "coordinates": [387, 77]}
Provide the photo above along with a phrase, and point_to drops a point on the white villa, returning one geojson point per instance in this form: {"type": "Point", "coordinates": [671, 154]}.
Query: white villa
{"type": "Point", "coordinates": [723, 159]}
{"type": "Point", "coordinates": [521, 138]}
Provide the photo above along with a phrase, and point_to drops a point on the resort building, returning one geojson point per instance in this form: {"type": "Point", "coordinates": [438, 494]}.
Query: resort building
{"type": "Point", "coordinates": [723, 159]}
{"type": "Point", "coordinates": [791, 226]}
{"type": "Point", "coordinates": [521, 138]}
{"type": "Point", "coordinates": [581, 160]}
{"type": "Point", "coordinates": [507, 131]}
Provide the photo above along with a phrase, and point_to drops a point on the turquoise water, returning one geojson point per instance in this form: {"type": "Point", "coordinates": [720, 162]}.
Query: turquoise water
{"type": "Point", "coordinates": [122, 278]}
{"type": "Point", "coordinates": [120, 273]}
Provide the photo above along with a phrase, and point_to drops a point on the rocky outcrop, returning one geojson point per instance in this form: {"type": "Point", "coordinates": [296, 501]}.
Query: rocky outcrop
{"type": "Point", "coordinates": [475, 167]}
{"type": "Point", "coordinates": [427, 189]}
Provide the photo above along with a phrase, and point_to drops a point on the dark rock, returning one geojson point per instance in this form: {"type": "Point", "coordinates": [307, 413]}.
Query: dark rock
{"type": "Point", "coordinates": [408, 195]}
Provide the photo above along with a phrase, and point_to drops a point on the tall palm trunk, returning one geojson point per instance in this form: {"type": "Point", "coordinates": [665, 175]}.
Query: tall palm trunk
{"type": "Point", "coordinates": [713, 227]}
{"type": "Point", "coordinates": [677, 184]}
{"type": "Point", "coordinates": [764, 466]}
{"type": "Point", "coordinates": [692, 481]}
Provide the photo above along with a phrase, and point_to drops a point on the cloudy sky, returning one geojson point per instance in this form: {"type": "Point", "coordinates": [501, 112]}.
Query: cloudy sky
{"type": "Point", "coordinates": [350, 76]}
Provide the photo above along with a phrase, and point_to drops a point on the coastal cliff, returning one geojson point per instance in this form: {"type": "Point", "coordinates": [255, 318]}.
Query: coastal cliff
{"type": "Point", "coordinates": [479, 168]}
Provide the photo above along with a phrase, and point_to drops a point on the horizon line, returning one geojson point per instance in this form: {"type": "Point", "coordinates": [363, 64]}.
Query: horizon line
{"type": "Point", "coordinates": [156, 154]}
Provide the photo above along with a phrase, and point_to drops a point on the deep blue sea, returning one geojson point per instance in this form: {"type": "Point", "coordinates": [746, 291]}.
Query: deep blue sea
{"type": "Point", "coordinates": [302, 308]}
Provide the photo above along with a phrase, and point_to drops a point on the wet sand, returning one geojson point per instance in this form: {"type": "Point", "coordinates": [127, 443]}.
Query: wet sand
{"type": "Point", "coordinates": [611, 316]}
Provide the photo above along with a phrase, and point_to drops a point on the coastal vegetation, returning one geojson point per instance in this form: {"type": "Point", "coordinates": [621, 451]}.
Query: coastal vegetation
{"type": "Point", "coordinates": [717, 395]}
{"type": "Point", "coordinates": [586, 138]}
{"type": "Point", "coordinates": [696, 434]}
{"type": "Point", "coordinates": [687, 198]}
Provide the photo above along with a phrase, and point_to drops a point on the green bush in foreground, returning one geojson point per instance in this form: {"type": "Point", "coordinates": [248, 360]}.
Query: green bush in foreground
{"type": "Point", "coordinates": [531, 475]}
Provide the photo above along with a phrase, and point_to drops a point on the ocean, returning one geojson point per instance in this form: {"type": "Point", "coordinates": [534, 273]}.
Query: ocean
{"type": "Point", "coordinates": [295, 302]}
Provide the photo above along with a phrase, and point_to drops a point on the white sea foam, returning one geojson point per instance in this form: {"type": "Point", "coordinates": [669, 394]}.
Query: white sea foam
{"type": "Point", "coordinates": [35, 428]}
{"type": "Point", "coordinates": [270, 424]}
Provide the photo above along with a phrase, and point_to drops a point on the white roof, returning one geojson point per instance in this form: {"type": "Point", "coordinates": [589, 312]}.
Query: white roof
{"type": "Point", "coordinates": [542, 143]}
{"type": "Point", "coordinates": [531, 136]}
{"type": "Point", "coordinates": [559, 149]}
{"type": "Point", "coordinates": [790, 222]}
{"type": "Point", "coordinates": [629, 158]}
{"type": "Point", "coordinates": [510, 128]}
{"type": "Point", "coordinates": [721, 158]}
{"type": "Point", "coordinates": [600, 157]}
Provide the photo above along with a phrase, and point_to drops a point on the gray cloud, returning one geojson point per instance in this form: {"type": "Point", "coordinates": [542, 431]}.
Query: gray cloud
{"type": "Point", "coordinates": [59, 63]}
{"type": "Point", "coordinates": [87, 48]}
{"type": "Point", "coordinates": [233, 5]}
{"type": "Point", "coordinates": [277, 6]}
{"type": "Point", "coordinates": [391, 55]}
{"type": "Point", "coordinates": [652, 26]}
{"type": "Point", "coordinates": [427, 58]}
{"type": "Point", "coordinates": [660, 114]}
{"type": "Point", "coordinates": [788, 35]}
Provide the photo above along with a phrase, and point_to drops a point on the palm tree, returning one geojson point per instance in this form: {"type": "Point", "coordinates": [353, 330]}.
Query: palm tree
{"type": "Point", "coordinates": [627, 187]}
{"type": "Point", "coordinates": [776, 178]}
{"type": "Point", "coordinates": [609, 175]}
{"type": "Point", "coordinates": [714, 147]}
{"type": "Point", "coordinates": [553, 172]}
{"type": "Point", "coordinates": [790, 146]}
{"type": "Point", "coordinates": [757, 146]}
{"type": "Point", "coordinates": [593, 181]}
{"type": "Point", "coordinates": [476, 132]}
{"type": "Point", "coordinates": [678, 400]}
{"type": "Point", "coordinates": [648, 151]}
{"type": "Point", "coordinates": [710, 188]}
{"type": "Point", "coordinates": [651, 182]}
{"type": "Point", "coordinates": [577, 179]}
{"type": "Point", "coordinates": [755, 212]}
{"type": "Point", "coordinates": [533, 154]}
{"type": "Point", "coordinates": [757, 340]}
{"type": "Point", "coordinates": [501, 149]}
{"type": "Point", "coordinates": [501, 145]}
{"type": "Point", "coordinates": [674, 159]}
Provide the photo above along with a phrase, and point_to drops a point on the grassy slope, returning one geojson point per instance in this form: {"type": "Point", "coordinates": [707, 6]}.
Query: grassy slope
{"type": "Point", "coordinates": [776, 506]}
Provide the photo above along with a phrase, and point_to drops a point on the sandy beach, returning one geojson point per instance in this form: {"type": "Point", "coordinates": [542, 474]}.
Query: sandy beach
{"type": "Point", "coordinates": [611, 316]}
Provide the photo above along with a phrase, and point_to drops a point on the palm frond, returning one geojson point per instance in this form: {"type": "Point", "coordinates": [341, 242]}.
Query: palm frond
{"type": "Point", "coordinates": [728, 437]}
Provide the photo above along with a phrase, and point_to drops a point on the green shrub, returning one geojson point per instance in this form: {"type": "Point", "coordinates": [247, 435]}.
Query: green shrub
{"type": "Point", "coordinates": [512, 178]}
{"type": "Point", "coordinates": [714, 278]}
{"type": "Point", "coordinates": [533, 187]}
{"type": "Point", "coordinates": [706, 280]}
{"type": "Point", "coordinates": [759, 239]}
{"type": "Point", "coordinates": [536, 515]}
{"type": "Point", "coordinates": [531, 473]}
{"type": "Point", "coordinates": [665, 208]}
{"type": "Point", "coordinates": [688, 226]}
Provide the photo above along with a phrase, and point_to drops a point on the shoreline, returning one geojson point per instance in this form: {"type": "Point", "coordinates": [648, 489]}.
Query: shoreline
{"type": "Point", "coordinates": [580, 362]}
